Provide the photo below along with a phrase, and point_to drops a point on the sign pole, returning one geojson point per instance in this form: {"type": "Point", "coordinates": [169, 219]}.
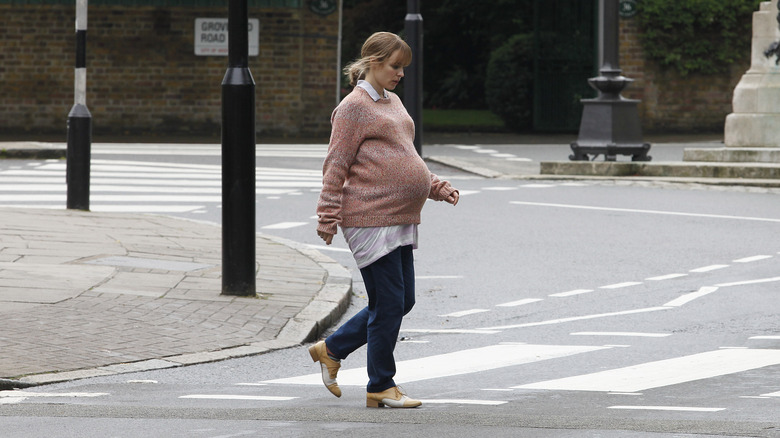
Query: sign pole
{"type": "Point", "coordinates": [414, 72]}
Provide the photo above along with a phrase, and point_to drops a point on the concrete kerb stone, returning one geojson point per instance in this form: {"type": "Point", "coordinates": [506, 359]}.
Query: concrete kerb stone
{"type": "Point", "coordinates": [31, 150]}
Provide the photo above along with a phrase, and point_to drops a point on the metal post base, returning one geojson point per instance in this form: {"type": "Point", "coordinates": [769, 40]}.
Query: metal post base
{"type": "Point", "coordinates": [610, 127]}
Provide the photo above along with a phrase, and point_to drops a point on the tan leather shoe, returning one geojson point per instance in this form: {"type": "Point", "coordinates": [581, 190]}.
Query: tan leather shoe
{"type": "Point", "coordinates": [393, 397]}
{"type": "Point", "coordinates": [319, 353]}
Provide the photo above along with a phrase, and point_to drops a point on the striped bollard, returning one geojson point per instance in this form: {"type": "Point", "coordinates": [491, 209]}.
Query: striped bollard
{"type": "Point", "coordinates": [79, 122]}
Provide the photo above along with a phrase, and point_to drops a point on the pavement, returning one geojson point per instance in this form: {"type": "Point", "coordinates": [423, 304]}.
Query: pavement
{"type": "Point", "coordinates": [86, 294]}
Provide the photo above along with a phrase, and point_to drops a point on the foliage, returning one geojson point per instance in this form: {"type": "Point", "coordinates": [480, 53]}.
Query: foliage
{"type": "Point", "coordinates": [696, 36]}
{"type": "Point", "coordinates": [509, 82]}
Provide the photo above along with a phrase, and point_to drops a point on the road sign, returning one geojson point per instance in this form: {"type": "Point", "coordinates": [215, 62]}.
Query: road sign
{"type": "Point", "coordinates": [211, 36]}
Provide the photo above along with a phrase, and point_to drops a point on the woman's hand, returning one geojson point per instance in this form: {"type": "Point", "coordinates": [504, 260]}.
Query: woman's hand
{"type": "Point", "coordinates": [327, 237]}
{"type": "Point", "coordinates": [453, 198]}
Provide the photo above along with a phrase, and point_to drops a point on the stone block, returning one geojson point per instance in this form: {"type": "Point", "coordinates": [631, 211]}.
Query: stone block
{"type": "Point", "coordinates": [752, 130]}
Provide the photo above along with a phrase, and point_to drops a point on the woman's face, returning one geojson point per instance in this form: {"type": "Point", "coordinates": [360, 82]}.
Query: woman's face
{"type": "Point", "coordinates": [387, 74]}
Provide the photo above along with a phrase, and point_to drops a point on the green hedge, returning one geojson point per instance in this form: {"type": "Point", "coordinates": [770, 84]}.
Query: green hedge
{"type": "Point", "coordinates": [509, 82]}
{"type": "Point", "coordinates": [696, 36]}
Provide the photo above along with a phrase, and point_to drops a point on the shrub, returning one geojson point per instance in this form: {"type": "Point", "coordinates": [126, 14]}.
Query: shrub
{"type": "Point", "coordinates": [509, 82]}
{"type": "Point", "coordinates": [696, 36]}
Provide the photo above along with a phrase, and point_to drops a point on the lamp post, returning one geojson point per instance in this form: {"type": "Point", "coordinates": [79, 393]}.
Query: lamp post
{"type": "Point", "coordinates": [79, 122]}
{"type": "Point", "coordinates": [414, 72]}
{"type": "Point", "coordinates": [238, 160]}
{"type": "Point", "coordinates": [610, 123]}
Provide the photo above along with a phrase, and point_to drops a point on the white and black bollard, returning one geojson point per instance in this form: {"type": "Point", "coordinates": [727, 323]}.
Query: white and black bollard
{"type": "Point", "coordinates": [413, 89]}
{"type": "Point", "coordinates": [79, 122]}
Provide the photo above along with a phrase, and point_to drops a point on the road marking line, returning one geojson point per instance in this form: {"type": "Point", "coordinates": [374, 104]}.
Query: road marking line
{"type": "Point", "coordinates": [26, 394]}
{"type": "Point", "coordinates": [668, 408]}
{"type": "Point", "coordinates": [237, 397]}
{"type": "Point", "coordinates": [687, 298]}
{"type": "Point", "coordinates": [525, 160]}
{"type": "Point", "coordinates": [438, 277]}
{"type": "Point", "coordinates": [666, 277]}
{"type": "Point", "coordinates": [537, 186]}
{"type": "Point", "coordinates": [499, 189]}
{"type": "Point", "coordinates": [519, 302]}
{"type": "Point", "coordinates": [576, 318]}
{"type": "Point", "coordinates": [251, 384]}
{"type": "Point", "coordinates": [771, 394]}
{"type": "Point", "coordinates": [742, 283]}
{"type": "Point", "coordinates": [502, 155]}
{"type": "Point", "coordinates": [629, 210]}
{"type": "Point", "coordinates": [572, 292]}
{"type": "Point", "coordinates": [453, 364]}
{"type": "Point", "coordinates": [284, 225]}
{"type": "Point", "coordinates": [667, 372]}
{"type": "Point", "coordinates": [765, 337]}
{"type": "Point", "coordinates": [753, 259]}
{"type": "Point", "coordinates": [464, 402]}
{"type": "Point", "coordinates": [641, 335]}
{"type": "Point", "coordinates": [11, 400]}
{"type": "Point", "coordinates": [621, 285]}
{"type": "Point", "coordinates": [452, 331]}
{"type": "Point", "coordinates": [709, 268]}
{"type": "Point", "coordinates": [464, 313]}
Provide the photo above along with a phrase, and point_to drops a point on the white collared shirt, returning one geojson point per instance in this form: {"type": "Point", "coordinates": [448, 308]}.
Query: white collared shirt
{"type": "Point", "coordinates": [364, 84]}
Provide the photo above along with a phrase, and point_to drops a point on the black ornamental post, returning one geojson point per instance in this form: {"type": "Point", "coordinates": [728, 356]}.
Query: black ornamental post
{"type": "Point", "coordinates": [78, 153]}
{"type": "Point", "coordinates": [610, 123]}
{"type": "Point", "coordinates": [414, 72]}
{"type": "Point", "coordinates": [238, 160]}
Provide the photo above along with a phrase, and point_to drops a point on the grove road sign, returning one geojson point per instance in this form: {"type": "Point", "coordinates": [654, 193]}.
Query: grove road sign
{"type": "Point", "coordinates": [211, 36]}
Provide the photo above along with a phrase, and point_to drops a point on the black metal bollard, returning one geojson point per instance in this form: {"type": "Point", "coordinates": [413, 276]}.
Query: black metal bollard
{"type": "Point", "coordinates": [414, 72]}
{"type": "Point", "coordinates": [238, 160]}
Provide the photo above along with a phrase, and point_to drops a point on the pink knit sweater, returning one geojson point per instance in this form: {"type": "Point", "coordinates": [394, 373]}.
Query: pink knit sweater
{"type": "Point", "coordinates": [372, 175]}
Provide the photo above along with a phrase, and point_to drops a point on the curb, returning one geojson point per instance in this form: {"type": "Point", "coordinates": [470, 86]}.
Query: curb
{"type": "Point", "coordinates": [31, 150]}
{"type": "Point", "coordinates": [328, 305]}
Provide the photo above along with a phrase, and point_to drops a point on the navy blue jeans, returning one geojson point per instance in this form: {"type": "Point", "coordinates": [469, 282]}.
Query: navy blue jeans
{"type": "Point", "coordinates": [390, 287]}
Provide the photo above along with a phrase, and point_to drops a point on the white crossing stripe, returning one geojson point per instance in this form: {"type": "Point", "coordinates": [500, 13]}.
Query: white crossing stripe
{"type": "Point", "coordinates": [667, 372]}
{"type": "Point", "coordinates": [453, 364]}
{"type": "Point", "coordinates": [26, 394]}
{"type": "Point", "coordinates": [630, 334]}
{"type": "Point", "coordinates": [576, 318]}
{"type": "Point", "coordinates": [668, 408]}
{"type": "Point", "coordinates": [283, 225]}
{"type": "Point", "coordinates": [452, 331]}
{"type": "Point", "coordinates": [236, 397]}
{"type": "Point", "coordinates": [463, 402]}
{"type": "Point", "coordinates": [140, 186]}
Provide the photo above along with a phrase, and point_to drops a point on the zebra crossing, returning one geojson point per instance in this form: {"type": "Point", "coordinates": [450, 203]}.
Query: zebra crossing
{"type": "Point", "coordinates": [147, 186]}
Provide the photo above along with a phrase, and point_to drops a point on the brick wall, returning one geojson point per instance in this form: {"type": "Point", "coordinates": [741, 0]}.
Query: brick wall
{"type": "Point", "coordinates": [671, 102]}
{"type": "Point", "coordinates": [144, 78]}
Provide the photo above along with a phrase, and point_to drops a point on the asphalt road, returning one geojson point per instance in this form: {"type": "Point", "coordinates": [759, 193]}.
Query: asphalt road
{"type": "Point", "coordinates": [544, 309]}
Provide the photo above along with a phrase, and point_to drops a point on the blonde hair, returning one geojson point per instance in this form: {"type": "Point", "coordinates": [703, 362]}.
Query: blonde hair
{"type": "Point", "coordinates": [378, 47]}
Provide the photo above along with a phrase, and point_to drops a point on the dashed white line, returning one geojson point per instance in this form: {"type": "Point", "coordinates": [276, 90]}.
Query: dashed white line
{"type": "Point", "coordinates": [464, 313]}
{"type": "Point", "coordinates": [753, 259]}
{"type": "Point", "coordinates": [666, 277]}
{"type": "Point", "coordinates": [765, 337]}
{"type": "Point", "coordinates": [709, 268]}
{"type": "Point", "coordinates": [621, 285]}
{"type": "Point", "coordinates": [452, 331]}
{"type": "Point", "coordinates": [572, 292]}
{"type": "Point", "coordinates": [519, 302]}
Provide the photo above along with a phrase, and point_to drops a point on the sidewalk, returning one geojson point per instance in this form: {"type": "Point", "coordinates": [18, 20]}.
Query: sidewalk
{"type": "Point", "coordinates": [89, 294]}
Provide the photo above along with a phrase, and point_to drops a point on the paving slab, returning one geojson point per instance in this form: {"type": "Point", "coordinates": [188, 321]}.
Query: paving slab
{"type": "Point", "coordinates": [86, 294]}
